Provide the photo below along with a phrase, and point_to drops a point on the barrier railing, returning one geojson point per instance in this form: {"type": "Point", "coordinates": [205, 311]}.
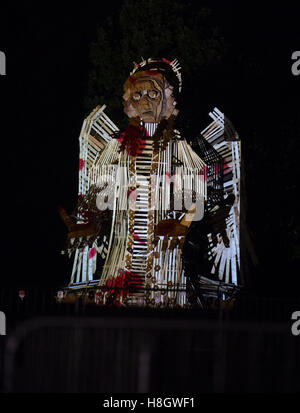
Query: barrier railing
{"type": "Point", "coordinates": [133, 354]}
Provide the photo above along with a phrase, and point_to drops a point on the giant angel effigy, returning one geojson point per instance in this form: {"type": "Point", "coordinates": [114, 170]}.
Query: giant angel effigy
{"type": "Point", "coordinates": [158, 220]}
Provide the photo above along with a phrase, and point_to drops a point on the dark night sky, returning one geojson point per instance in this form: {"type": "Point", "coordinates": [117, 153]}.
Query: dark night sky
{"type": "Point", "coordinates": [47, 69]}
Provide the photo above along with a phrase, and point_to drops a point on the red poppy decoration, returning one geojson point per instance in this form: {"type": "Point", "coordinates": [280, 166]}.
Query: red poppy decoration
{"type": "Point", "coordinates": [132, 139]}
{"type": "Point", "coordinates": [21, 294]}
{"type": "Point", "coordinates": [119, 286]}
{"type": "Point", "coordinates": [81, 164]}
{"type": "Point", "coordinates": [99, 297]}
{"type": "Point", "coordinates": [92, 252]}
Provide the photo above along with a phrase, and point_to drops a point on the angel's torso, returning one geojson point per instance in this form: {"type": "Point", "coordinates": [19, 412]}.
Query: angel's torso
{"type": "Point", "coordinates": [146, 189]}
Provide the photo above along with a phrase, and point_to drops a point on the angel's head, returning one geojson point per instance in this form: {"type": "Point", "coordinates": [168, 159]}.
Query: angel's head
{"type": "Point", "coordinates": [150, 93]}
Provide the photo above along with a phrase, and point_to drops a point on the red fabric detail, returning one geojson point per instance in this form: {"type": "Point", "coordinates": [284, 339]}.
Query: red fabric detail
{"type": "Point", "coordinates": [166, 61]}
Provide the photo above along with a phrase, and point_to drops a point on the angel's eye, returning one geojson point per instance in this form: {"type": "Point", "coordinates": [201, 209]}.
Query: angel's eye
{"type": "Point", "coordinates": [137, 95]}
{"type": "Point", "coordinates": [152, 94]}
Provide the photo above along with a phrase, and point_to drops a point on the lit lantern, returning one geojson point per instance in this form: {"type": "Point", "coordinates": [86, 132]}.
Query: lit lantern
{"type": "Point", "coordinates": [22, 294]}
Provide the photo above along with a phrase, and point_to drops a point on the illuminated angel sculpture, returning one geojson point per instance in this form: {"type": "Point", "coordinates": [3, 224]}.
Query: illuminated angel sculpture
{"type": "Point", "coordinates": [139, 192]}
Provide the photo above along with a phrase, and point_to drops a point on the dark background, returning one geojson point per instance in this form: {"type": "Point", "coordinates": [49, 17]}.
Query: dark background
{"type": "Point", "coordinates": [47, 92]}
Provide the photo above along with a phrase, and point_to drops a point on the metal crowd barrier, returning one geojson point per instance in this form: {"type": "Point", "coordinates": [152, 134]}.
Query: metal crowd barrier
{"type": "Point", "coordinates": [114, 354]}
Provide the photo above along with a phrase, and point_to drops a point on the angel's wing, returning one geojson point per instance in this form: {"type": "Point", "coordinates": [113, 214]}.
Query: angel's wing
{"type": "Point", "coordinates": [212, 252]}
{"type": "Point", "coordinates": [224, 255]}
{"type": "Point", "coordinates": [95, 135]}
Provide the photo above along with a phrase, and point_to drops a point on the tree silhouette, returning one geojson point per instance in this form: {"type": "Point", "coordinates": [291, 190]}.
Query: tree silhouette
{"type": "Point", "coordinates": [154, 28]}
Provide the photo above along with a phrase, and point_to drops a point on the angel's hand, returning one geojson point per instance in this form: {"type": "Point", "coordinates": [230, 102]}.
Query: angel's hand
{"type": "Point", "coordinates": [174, 230]}
{"type": "Point", "coordinates": [173, 233]}
{"type": "Point", "coordinates": [170, 228]}
{"type": "Point", "coordinates": [76, 230]}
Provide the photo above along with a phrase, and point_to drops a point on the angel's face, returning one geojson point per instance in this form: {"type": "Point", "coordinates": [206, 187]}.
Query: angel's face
{"type": "Point", "coordinates": [148, 97]}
